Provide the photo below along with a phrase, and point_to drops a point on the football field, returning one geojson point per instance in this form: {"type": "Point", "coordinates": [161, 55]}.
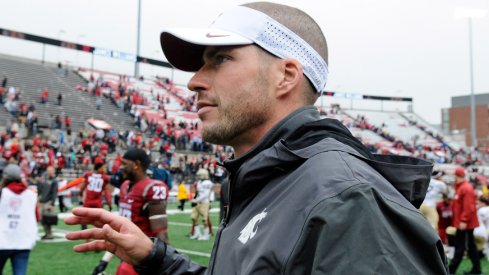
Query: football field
{"type": "Point", "coordinates": [57, 256]}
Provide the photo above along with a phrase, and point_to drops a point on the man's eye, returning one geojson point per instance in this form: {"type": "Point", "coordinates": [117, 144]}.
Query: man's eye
{"type": "Point", "coordinates": [221, 59]}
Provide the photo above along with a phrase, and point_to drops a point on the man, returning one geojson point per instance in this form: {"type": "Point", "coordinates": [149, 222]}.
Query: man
{"type": "Point", "coordinates": [483, 229]}
{"type": "Point", "coordinates": [61, 195]}
{"type": "Point", "coordinates": [260, 68]}
{"type": "Point", "coordinates": [142, 201]}
{"type": "Point", "coordinates": [465, 220]}
{"type": "Point", "coordinates": [435, 191]}
{"type": "Point", "coordinates": [47, 192]}
{"type": "Point", "coordinates": [202, 201]}
{"type": "Point", "coordinates": [445, 214]}
{"type": "Point", "coordinates": [182, 195]}
{"type": "Point", "coordinates": [4, 82]}
{"type": "Point", "coordinates": [18, 228]}
{"type": "Point", "coordinates": [95, 183]}
{"type": "Point", "coordinates": [44, 95]}
{"type": "Point", "coordinates": [60, 98]}
{"type": "Point", "coordinates": [67, 122]}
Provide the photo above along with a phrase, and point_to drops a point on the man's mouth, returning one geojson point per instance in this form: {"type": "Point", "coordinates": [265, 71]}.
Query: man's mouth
{"type": "Point", "coordinates": [204, 107]}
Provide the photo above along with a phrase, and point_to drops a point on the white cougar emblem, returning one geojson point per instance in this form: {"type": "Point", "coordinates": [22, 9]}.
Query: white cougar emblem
{"type": "Point", "coordinates": [250, 229]}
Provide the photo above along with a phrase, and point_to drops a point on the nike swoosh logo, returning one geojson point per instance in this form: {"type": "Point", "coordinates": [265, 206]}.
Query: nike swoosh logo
{"type": "Point", "coordinates": [210, 35]}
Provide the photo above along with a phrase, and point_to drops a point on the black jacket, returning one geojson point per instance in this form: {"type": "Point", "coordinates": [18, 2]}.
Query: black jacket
{"type": "Point", "coordinates": [310, 199]}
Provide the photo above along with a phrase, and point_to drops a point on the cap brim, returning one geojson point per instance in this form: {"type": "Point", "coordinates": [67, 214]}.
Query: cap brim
{"type": "Point", "coordinates": [183, 48]}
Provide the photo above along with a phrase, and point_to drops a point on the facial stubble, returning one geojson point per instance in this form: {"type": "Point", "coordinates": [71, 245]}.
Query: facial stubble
{"type": "Point", "coordinates": [247, 111]}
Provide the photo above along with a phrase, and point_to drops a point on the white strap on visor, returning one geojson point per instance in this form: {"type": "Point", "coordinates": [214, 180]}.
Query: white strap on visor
{"type": "Point", "coordinates": [276, 39]}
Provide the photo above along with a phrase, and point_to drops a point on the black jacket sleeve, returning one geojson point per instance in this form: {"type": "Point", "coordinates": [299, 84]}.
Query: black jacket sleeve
{"type": "Point", "coordinates": [164, 259]}
{"type": "Point", "coordinates": [54, 191]}
{"type": "Point", "coordinates": [376, 234]}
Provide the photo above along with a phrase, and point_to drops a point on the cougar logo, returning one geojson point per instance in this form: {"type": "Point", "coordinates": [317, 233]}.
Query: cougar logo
{"type": "Point", "coordinates": [250, 229]}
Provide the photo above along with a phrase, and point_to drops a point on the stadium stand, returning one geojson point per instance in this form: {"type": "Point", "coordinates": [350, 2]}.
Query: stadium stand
{"type": "Point", "coordinates": [4, 118]}
{"type": "Point", "coordinates": [31, 77]}
{"type": "Point", "coordinates": [396, 125]}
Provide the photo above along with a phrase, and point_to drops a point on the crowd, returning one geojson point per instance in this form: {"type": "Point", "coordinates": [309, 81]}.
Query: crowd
{"type": "Point", "coordinates": [458, 208]}
{"type": "Point", "coordinates": [439, 152]}
{"type": "Point", "coordinates": [352, 201]}
{"type": "Point", "coordinates": [43, 161]}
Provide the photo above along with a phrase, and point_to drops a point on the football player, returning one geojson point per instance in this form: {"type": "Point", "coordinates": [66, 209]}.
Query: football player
{"type": "Point", "coordinates": [94, 184]}
{"type": "Point", "coordinates": [142, 200]}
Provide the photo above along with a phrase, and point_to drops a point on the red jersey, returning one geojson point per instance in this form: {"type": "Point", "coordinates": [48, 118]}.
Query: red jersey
{"type": "Point", "coordinates": [67, 121]}
{"type": "Point", "coordinates": [134, 201]}
{"type": "Point", "coordinates": [60, 161]}
{"type": "Point", "coordinates": [444, 210]}
{"type": "Point", "coordinates": [95, 184]}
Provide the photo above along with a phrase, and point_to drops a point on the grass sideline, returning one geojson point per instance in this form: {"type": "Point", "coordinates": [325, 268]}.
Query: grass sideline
{"type": "Point", "coordinates": [58, 257]}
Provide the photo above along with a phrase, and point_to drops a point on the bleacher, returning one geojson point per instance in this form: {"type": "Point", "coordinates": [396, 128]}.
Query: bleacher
{"type": "Point", "coordinates": [150, 90]}
{"type": "Point", "coordinates": [5, 116]}
{"type": "Point", "coordinates": [427, 128]}
{"type": "Point", "coordinates": [366, 136]}
{"type": "Point", "coordinates": [162, 102]}
{"type": "Point", "coordinates": [396, 125]}
{"type": "Point", "coordinates": [31, 77]}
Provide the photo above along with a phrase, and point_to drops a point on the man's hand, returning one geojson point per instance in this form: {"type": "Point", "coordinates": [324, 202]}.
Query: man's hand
{"type": "Point", "coordinates": [462, 226]}
{"type": "Point", "coordinates": [115, 234]}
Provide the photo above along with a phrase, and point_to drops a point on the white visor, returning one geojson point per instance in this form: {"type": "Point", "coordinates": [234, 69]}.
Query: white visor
{"type": "Point", "coordinates": [240, 25]}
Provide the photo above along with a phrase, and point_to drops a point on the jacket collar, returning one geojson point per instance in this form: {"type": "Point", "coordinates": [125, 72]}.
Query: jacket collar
{"type": "Point", "coordinates": [281, 130]}
{"type": "Point", "coordinates": [300, 136]}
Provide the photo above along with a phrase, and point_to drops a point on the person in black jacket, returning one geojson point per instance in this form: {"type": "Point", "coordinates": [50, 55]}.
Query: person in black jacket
{"type": "Point", "coordinates": [47, 191]}
{"type": "Point", "coordinates": [4, 82]}
{"type": "Point", "coordinates": [304, 196]}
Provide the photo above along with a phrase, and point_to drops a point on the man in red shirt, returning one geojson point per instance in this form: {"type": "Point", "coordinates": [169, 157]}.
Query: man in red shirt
{"type": "Point", "coordinates": [444, 209]}
{"type": "Point", "coordinates": [44, 95]}
{"type": "Point", "coordinates": [91, 189]}
{"type": "Point", "coordinates": [465, 220]}
{"type": "Point", "coordinates": [94, 184]}
{"type": "Point", "coordinates": [67, 122]}
{"type": "Point", "coordinates": [1, 94]}
{"type": "Point", "coordinates": [142, 200]}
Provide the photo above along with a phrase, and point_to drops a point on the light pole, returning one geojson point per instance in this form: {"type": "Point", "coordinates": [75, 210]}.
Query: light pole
{"type": "Point", "coordinates": [470, 14]}
{"type": "Point", "coordinates": [136, 66]}
{"type": "Point", "coordinates": [473, 132]}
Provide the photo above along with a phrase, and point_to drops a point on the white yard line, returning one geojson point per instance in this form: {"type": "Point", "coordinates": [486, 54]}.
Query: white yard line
{"type": "Point", "coordinates": [208, 255]}
{"type": "Point", "coordinates": [186, 224]}
{"type": "Point", "coordinates": [62, 216]}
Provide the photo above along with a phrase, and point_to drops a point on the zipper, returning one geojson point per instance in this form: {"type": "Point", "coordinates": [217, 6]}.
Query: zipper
{"type": "Point", "coordinates": [218, 240]}
{"type": "Point", "coordinates": [224, 223]}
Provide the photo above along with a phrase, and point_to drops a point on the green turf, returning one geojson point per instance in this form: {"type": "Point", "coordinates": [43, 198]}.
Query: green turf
{"type": "Point", "coordinates": [59, 258]}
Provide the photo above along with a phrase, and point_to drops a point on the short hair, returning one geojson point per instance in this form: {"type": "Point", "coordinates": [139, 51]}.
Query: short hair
{"type": "Point", "coordinates": [98, 165]}
{"type": "Point", "coordinates": [137, 154]}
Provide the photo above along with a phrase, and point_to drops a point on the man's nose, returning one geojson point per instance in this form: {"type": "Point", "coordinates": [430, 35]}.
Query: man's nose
{"type": "Point", "coordinates": [199, 81]}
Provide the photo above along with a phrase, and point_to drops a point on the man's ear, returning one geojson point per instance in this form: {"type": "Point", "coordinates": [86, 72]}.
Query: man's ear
{"type": "Point", "coordinates": [292, 76]}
